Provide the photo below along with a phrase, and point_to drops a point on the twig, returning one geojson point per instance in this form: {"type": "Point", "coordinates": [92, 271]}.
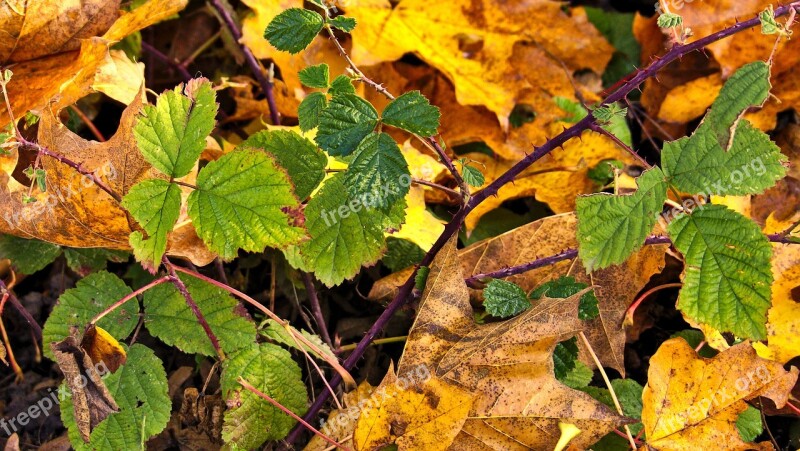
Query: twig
{"type": "Point", "coordinates": [127, 298]}
{"type": "Point", "coordinates": [628, 320]}
{"type": "Point", "coordinates": [316, 310]}
{"type": "Point", "coordinates": [88, 122]}
{"type": "Point", "coordinates": [476, 281]}
{"type": "Point", "coordinates": [275, 403]}
{"type": "Point", "coordinates": [447, 190]}
{"type": "Point", "coordinates": [21, 309]}
{"type": "Point", "coordinates": [255, 66]}
{"type": "Point", "coordinates": [9, 349]}
{"type": "Point", "coordinates": [379, 341]}
{"type": "Point", "coordinates": [599, 129]}
{"type": "Point", "coordinates": [166, 60]}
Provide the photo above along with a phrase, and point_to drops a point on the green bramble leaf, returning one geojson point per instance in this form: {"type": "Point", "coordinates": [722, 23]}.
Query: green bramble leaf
{"type": "Point", "coordinates": [715, 160]}
{"type": "Point", "coordinates": [401, 254]}
{"type": "Point", "coordinates": [302, 160]}
{"type": "Point", "coordinates": [629, 395]}
{"type": "Point", "coordinates": [315, 76]}
{"type": "Point", "coordinates": [155, 204]}
{"type": "Point", "coordinates": [413, 113]}
{"type": "Point", "coordinates": [345, 232]}
{"type": "Point", "coordinates": [294, 29]}
{"type": "Point", "coordinates": [566, 286]}
{"type": "Point", "coordinates": [87, 261]}
{"type": "Point", "coordinates": [565, 354]}
{"type": "Point", "coordinates": [342, 85]}
{"type": "Point", "coordinates": [578, 377]}
{"type": "Point", "coordinates": [172, 133]}
{"type": "Point", "coordinates": [346, 121]}
{"type": "Point", "coordinates": [770, 26]}
{"type": "Point", "coordinates": [612, 227]}
{"type": "Point", "coordinates": [727, 279]}
{"type": "Point", "coordinates": [378, 169]}
{"type": "Point", "coordinates": [309, 110]}
{"type": "Point", "coordinates": [77, 306]}
{"type": "Point", "coordinates": [614, 116]}
{"type": "Point", "coordinates": [472, 175]}
{"type": "Point", "coordinates": [252, 420]}
{"type": "Point", "coordinates": [749, 424]}
{"type": "Point", "coordinates": [422, 277]}
{"type": "Point", "coordinates": [346, 24]}
{"type": "Point", "coordinates": [244, 201]}
{"type": "Point", "coordinates": [669, 20]}
{"type": "Point", "coordinates": [603, 173]}
{"type": "Point", "coordinates": [606, 114]}
{"type": "Point", "coordinates": [27, 256]}
{"type": "Point", "coordinates": [170, 319]}
{"type": "Point", "coordinates": [575, 110]}
{"type": "Point", "coordinates": [502, 299]}
{"type": "Point", "coordinates": [140, 389]}
{"type": "Point", "coordinates": [280, 335]}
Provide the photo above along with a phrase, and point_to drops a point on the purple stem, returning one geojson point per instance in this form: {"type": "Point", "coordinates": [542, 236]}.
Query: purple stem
{"type": "Point", "coordinates": [22, 310]}
{"type": "Point", "coordinates": [255, 67]}
{"type": "Point", "coordinates": [454, 225]}
{"type": "Point", "coordinates": [166, 60]}
{"type": "Point", "coordinates": [308, 281]}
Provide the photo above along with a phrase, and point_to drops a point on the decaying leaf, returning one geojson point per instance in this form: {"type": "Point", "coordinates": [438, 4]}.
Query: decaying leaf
{"type": "Point", "coordinates": [783, 317]}
{"type": "Point", "coordinates": [100, 346]}
{"type": "Point", "coordinates": [342, 422]}
{"type": "Point", "coordinates": [92, 402]}
{"type": "Point", "coordinates": [693, 403]}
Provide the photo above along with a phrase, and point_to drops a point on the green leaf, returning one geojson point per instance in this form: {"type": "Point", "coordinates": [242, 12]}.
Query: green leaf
{"type": "Point", "coordinates": [617, 28]}
{"type": "Point", "coordinates": [346, 121]}
{"type": "Point", "coordinates": [565, 355]}
{"type": "Point", "coordinates": [41, 179]}
{"type": "Point", "coordinates": [344, 234]}
{"type": "Point", "coordinates": [578, 377]}
{"type": "Point", "coordinates": [749, 424]}
{"type": "Point", "coordinates": [669, 20]}
{"type": "Point", "coordinates": [244, 201]}
{"type": "Point", "coordinates": [770, 26]}
{"type": "Point", "coordinates": [422, 277]}
{"type": "Point", "coordinates": [172, 134]}
{"type": "Point", "coordinates": [727, 278]}
{"type": "Point", "coordinates": [346, 24]}
{"type": "Point", "coordinates": [280, 335]}
{"type": "Point", "coordinates": [86, 261]}
{"type": "Point", "coordinates": [378, 171]}
{"type": "Point", "coordinates": [694, 337]}
{"type": "Point", "coordinates": [91, 295]}
{"type": "Point", "coordinates": [301, 159]}
{"type": "Point", "coordinates": [169, 318]}
{"type": "Point", "coordinates": [309, 110]}
{"type": "Point", "coordinates": [472, 175]}
{"type": "Point", "coordinates": [252, 420]}
{"type": "Point", "coordinates": [294, 29]}
{"type": "Point", "coordinates": [605, 114]}
{"type": "Point", "coordinates": [140, 389]}
{"type": "Point", "coordinates": [27, 256]}
{"type": "Point", "coordinates": [603, 173]}
{"type": "Point", "coordinates": [566, 286]}
{"type": "Point", "coordinates": [155, 204]}
{"type": "Point", "coordinates": [401, 254]}
{"type": "Point", "coordinates": [413, 113]}
{"type": "Point", "coordinates": [612, 227]}
{"type": "Point", "coordinates": [575, 110]}
{"type": "Point", "coordinates": [342, 85]}
{"type": "Point", "coordinates": [502, 299]}
{"type": "Point", "coordinates": [315, 76]}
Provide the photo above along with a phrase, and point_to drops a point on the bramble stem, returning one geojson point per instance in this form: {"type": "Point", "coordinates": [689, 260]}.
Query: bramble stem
{"type": "Point", "coordinates": [599, 129]}
{"type": "Point", "coordinates": [316, 309]}
{"type": "Point", "coordinates": [21, 309]}
{"type": "Point", "coordinates": [127, 298]}
{"type": "Point", "coordinates": [166, 60]}
{"type": "Point", "coordinates": [255, 66]}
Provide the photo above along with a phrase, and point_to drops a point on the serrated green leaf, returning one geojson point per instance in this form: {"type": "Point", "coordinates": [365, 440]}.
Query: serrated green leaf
{"type": "Point", "coordinates": [605, 114]}
{"type": "Point", "coordinates": [272, 371]}
{"type": "Point", "coordinates": [612, 227]}
{"type": "Point", "coordinates": [346, 24]}
{"type": "Point", "coordinates": [91, 295]}
{"type": "Point", "coordinates": [578, 377]}
{"type": "Point", "coordinates": [155, 204]}
{"type": "Point", "coordinates": [629, 395]}
{"type": "Point", "coordinates": [344, 234]}
{"type": "Point", "coordinates": [565, 355]}
{"type": "Point", "coordinates": [472, 175]}
{"type": "Point", "coordinates": [615, 122]}
{"type": "Point", "coordinates": [566, 286]}
{"type": "Point", "coordinates": [669, 20]}
{"type": "Point", "coordinates": [378, 170]}
{"type": "Point", "coordinates": [280, 335]}
{"type": "Point", "coordinates": [294, 29]}
{"type": "Point", "coordinates": [309, 110]}
{"type": "Point", "coordinates": [172, 133]}
{"type": "Point", "coordinates": [140, 389]}
{"type": "Point", "coordinates": [769, 25]}
{"type": "Point", "coordinates": [315, 76]}
{"type": "Point", "coordinates": [502, 299]}
{"type": "Point", "coordinates": [749, 424]}
{"type": "Point", "coordinates": [342, 85]}
{"type": "Point", "coordinates": [413, 113]}
{"type": "Point", "coordinates": [575, 110]}
{"type": "Point", "coordinates": [27, 256]}
{"type": "Point", "coordinates": [169, 318]}
{"type": "Point", "coordinates": [86, 261]}
{"type": "Point", "coordinates": [241, 202]}
{"type": "Point", "coordinates": [346, 121]}
{"type": "Point", "coordinates": [715, 161]}
{"type": "Point", "coordinates": [727, 278]}
{"type": "Point", "coordinates": [41, 179]}
{"type": "Point", "coordinates": [301, 159]}
{"type": "Point", "coordinates": [401, 254]}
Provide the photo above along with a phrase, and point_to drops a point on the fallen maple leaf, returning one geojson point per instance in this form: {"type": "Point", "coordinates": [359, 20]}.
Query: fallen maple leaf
{"type": "Point", "coordinates": [693, 403]}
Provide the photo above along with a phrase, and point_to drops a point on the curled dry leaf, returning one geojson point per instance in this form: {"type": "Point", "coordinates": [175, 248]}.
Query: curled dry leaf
{"type": "Point", "coordinates": [693, 403]}
{"type": "Point", "coordinates": [100, 346]}
{"type": "Point", "coordinates": [493, 383]}
{"type": "Point", "coordinates": [615, 287]}
{"type": "Point", "coordinates": [92, 402]}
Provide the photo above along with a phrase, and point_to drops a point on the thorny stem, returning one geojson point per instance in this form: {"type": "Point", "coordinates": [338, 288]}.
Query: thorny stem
{"type": "Point", "coordinates": [452, 228]}
{"type": "Point", "coordinates": [21, 309]}
{"type": "Point", "coordinates": [127, 298]}
{"type": "Point", "coordinates": [173, 277]}
{"type": "Point", "coordinates": [316, 309]}
{"type": "Point", "coordinates": [599, 129]}
{"type": "Point", "coordinates": [255, 66]}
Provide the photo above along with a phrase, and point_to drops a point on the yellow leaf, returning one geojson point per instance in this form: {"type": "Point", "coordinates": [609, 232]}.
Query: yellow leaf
{"type": "Point", "coordinates": [693, 403]}
{"type": "Point", "coordinates": [100, 346]}
{"type": "Point", "coordinates": [120, 78]}
{"type": "Point", "coordinates": [342, 422]}
{"type": "Point", "coordinates": [783, 317]}
{"type": "Point", "coordinates": [691, 100]}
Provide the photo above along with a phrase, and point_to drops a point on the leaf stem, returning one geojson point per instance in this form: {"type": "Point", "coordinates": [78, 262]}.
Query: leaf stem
{"type": "Point", "coordinates": [599, 129]}
{"type": "Point", "coordinates": [255, 66]}
{"type": "Point", "coordinates": [157, 54]}
{"type": "Point", "coordinates": [127, 298]}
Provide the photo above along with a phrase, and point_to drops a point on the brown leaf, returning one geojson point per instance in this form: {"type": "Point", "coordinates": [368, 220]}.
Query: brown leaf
{"type": "Point", "coordinates": [92, 402]}
{"type": "Point", "coordinates": [693, 403]}
{"type": "Point", "coordinates": [100, 346]}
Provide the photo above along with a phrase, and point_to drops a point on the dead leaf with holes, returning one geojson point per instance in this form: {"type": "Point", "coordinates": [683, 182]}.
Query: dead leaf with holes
{"type": "Point", "coordinates": [491, 386]}
{"type": "Point", "coordinates": [615, 287]}
{"type": "Point", "coordinates": [58, 50]}
{"type": "Point", "coordinates": [691, 402]}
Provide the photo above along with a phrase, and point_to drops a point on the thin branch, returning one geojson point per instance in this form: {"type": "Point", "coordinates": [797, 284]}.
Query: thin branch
{"type": "Point", "coordinates": [127, 298]}
{"type": "Point", "coordinates": [447, 190]}
{"type": "Point", "coordinates": [316, 309]}
{"type": "Point", "coordinates": [21, 309]}
{"type": "Point", "coordinates": [88, 122]}
{"type": "Point", "coordinates": [255, 66]}
{"type": "Point", "coordinates": [166, 60]}
{"type": "Point", "coordinates": [599, 129]}
{"type": "Point", "coordinates": [476, 281]}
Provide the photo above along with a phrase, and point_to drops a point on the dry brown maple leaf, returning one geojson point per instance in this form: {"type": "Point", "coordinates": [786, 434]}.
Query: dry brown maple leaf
{"type": "Point", "coordinates": [615, 287]}
{"type": "Point", "coordinates": [499, 374]}
{"type": "Point", "coordinates": [693, 403]}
